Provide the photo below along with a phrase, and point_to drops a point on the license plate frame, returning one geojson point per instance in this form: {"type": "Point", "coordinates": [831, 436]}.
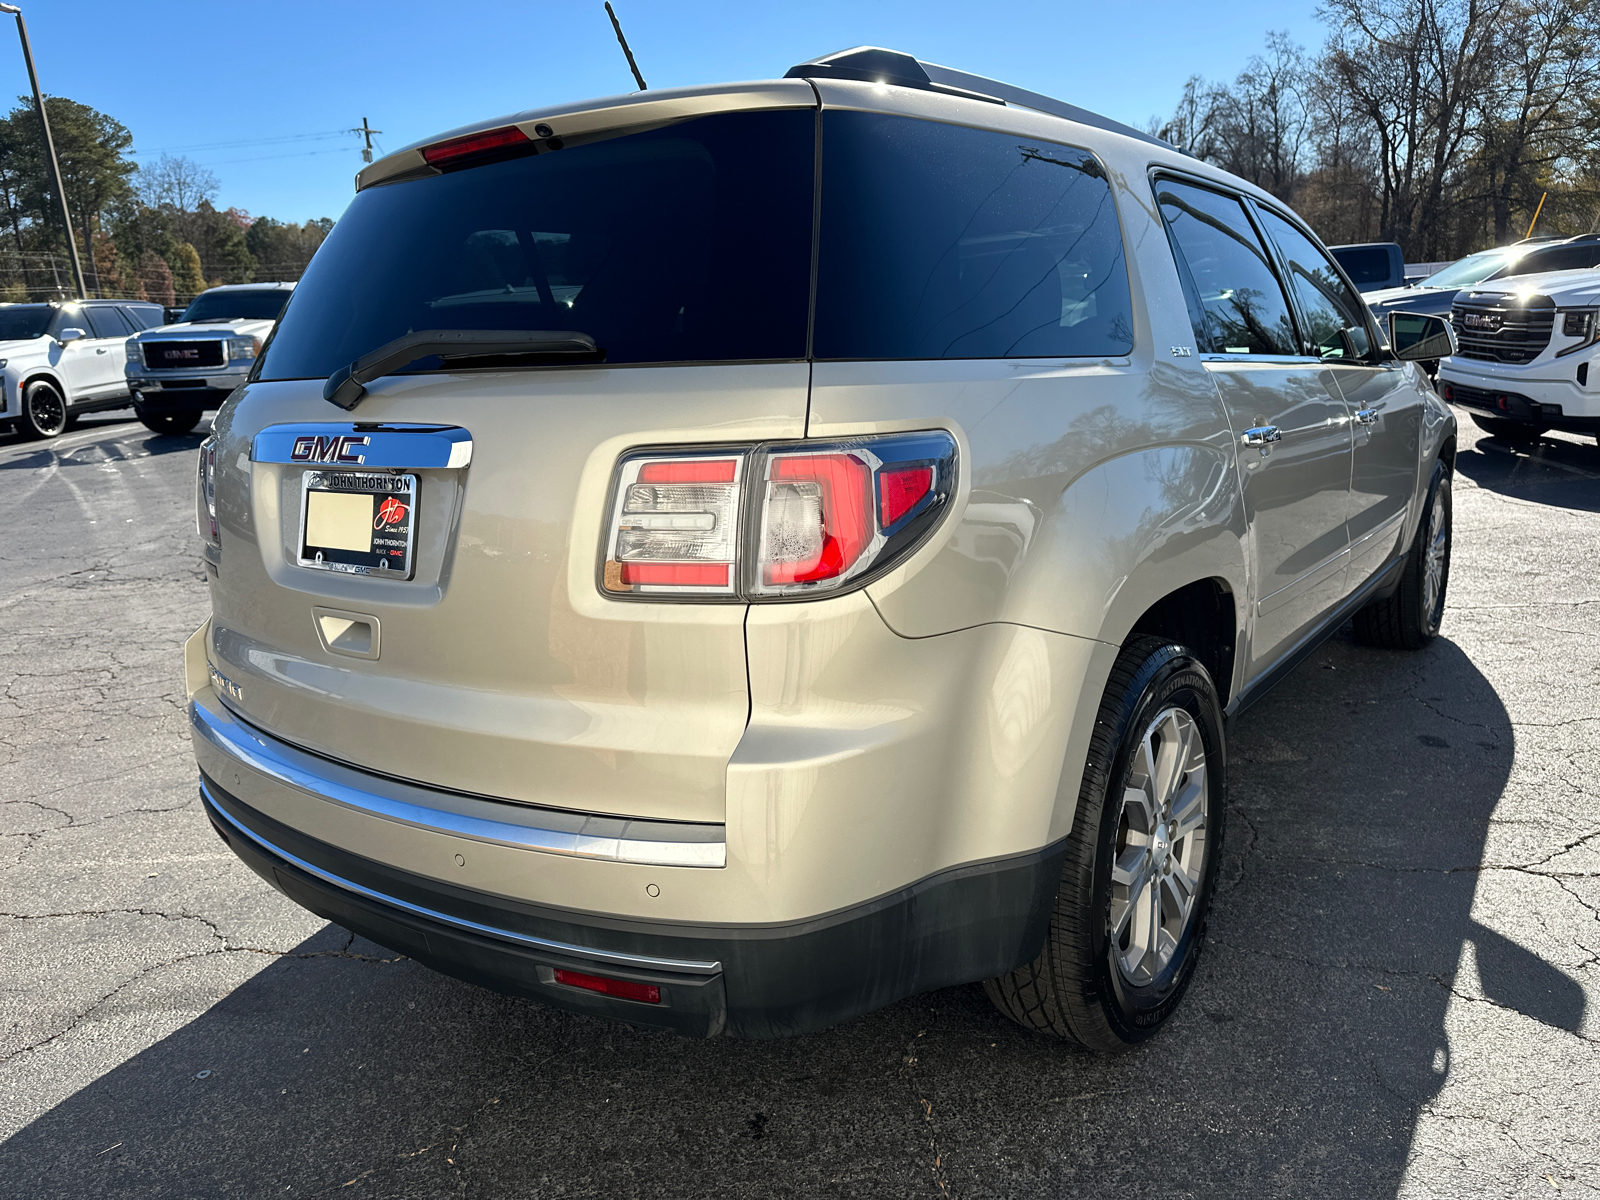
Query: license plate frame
{"type": "Point", "coordinates": [378, 560]}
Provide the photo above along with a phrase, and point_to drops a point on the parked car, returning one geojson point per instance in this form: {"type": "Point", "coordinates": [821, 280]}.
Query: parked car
{"type": "Point", "coordinates": [1372, 266]}
{"type": "Point", "coordinates": [625, 600]}
{"type": "Point", "coordinates": [1529, 356]}
{"type": "Point", "coordinates": [63, 359]}
{"type": "Point", "coordinates": [179, 371]}
{"type": "Point", "coordinates": [1436, 293]}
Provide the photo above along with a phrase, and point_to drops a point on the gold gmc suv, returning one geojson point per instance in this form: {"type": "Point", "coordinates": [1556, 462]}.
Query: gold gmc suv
{"type": "Point", "coordinates": [728, 559]}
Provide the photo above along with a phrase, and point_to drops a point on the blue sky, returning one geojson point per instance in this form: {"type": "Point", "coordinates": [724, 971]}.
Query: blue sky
{"type": "Point", "coordinates": [259, 93]}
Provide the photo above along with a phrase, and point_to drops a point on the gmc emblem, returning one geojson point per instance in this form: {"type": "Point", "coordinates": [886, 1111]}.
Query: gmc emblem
{"type": "Point", "coordinates": [1488, 322]}
{"type": "Point", "coordinates": [169, 355]}
{"type": "Point", "coordinates": [340, 448]}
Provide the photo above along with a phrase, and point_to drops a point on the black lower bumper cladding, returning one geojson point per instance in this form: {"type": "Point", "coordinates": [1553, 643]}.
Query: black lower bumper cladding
{"type": "Point", "coordinates": [1513, 406]}
{"type": "Point", "coordinates": [748, 980]}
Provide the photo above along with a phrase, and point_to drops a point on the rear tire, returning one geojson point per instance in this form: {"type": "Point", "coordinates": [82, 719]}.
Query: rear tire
{"type": "Point", "coordinates": [1409, 618]}
{"type": "Point", "coordinates": [1517, 432]}
{"type": "Point", "coordinates": [1120, 952]}
{"type": "Point", "coordinates": [167, 424]}
{"type": "Point", "coordinates": [44, 411]}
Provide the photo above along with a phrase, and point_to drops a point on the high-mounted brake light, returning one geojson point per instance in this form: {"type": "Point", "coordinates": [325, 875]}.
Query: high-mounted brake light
{"type": "Point", "coordinates": [773, 521]}
{"type": "Point", "coordinates": [474, 143]}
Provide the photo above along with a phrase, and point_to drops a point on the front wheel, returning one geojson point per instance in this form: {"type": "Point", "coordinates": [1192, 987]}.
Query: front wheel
{"type": "Point", "coordinates": [1141, 860]}
{"type": "Point", "coordinates": [170, 424]}
{"type": "Point", "coordinates": [44, 411]}
{"type": "Point", "coordinates": [1410, 616]}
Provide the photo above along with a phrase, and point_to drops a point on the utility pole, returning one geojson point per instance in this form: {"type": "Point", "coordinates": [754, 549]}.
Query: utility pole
{"type": "Point", "coordinates": [366, 131]}
{"type": "Point", "coordinates": [49, 147]}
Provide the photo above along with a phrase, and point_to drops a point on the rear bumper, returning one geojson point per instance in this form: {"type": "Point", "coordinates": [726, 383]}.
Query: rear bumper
{"type": "Point", "coordinates": [755, 980]}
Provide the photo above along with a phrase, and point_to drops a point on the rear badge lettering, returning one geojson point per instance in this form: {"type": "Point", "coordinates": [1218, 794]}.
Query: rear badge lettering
{"type": "Point", "coordinates": [339, 448]}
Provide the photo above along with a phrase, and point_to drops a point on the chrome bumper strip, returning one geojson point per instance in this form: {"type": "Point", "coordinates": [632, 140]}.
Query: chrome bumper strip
{"type": "Point", "coordinates": [547, 831]}
{"type": "Point", "coordinates": [640, 962]}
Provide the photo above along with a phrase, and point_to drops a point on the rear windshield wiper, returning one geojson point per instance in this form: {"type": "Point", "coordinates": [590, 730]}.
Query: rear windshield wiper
{"type": "Point", "coordinates": [347, 385]}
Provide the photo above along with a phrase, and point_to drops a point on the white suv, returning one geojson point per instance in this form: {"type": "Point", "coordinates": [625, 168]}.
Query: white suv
{"type": "Point", "coordinates": [1529, 355]}
{"type": "Point", "coordinates": [179, 371]}
{"type": "Point", "coordinates": [61, 359]}
{"type": "Point", "coordinates": [729, 558]}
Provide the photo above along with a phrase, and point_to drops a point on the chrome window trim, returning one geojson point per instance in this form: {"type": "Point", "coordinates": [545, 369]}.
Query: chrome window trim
{"type": "Point", "coordinates": [635, 961]}
{"type": "Point", "coordinates": [573, 834]}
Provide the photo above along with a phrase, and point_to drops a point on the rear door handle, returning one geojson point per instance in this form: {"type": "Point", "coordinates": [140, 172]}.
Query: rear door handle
{"type": "Point", "coordinates": [100, 350]}
{"type": "Point", "coordinates": [1261, 435]}
{"type": "Point", "coordinates": [1367, 416]}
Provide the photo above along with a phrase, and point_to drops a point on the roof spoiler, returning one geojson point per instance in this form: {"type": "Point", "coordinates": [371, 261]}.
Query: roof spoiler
{"type": "Point", "coordinates": [873, 64]}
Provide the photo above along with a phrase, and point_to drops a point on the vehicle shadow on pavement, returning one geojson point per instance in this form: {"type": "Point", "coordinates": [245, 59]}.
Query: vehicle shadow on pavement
{"type": "Point", "coordinates": [1557, 469]}
{"type": "Point", "coordinates": [136, 442]}
{"type": "Point", "coordinates": [1361, 796]}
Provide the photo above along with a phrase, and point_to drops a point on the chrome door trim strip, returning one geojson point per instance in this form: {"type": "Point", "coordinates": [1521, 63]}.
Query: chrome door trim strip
{"type": "Point", "coordinates": [1277, 599]}
{"type": "Point", "coordinates": [641, 962]}
{"type": "Point", "coordinates": [1386, 526]}
{"type": "Point", "coordinates": [578, 835]}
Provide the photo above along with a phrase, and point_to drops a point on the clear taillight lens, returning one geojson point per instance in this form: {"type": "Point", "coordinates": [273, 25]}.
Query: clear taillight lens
{"type": "Point", "coordinates": [205, 500]}
{"type": "Point", "coordinates": [775, 521]}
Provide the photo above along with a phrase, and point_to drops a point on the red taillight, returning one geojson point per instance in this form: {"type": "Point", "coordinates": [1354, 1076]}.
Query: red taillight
{"type": "Point", "coordinates": [474, 143]}
{"type": "Point", "coordinates": [622, 989]}
{"type": "Point", "coordinates": [716, 470]}
{"type": "Point", "coordinates": [675, 526]}
{"type": "Point", "coordinates": [773, 521]}
{"type": "Point", "coordinates": [816, 517]}
{"type": "Point", "coordinates": [676, 574]}
{"type": "Point", "coordinates": [900, 490]}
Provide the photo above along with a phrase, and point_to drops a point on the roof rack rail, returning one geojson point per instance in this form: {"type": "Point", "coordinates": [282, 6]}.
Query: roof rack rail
{"type": "Point", "coordinates": [874, 64]}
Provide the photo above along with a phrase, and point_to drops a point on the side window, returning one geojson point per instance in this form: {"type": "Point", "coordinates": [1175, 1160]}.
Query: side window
{"type": "Point", "coordinates": [142, 316]}
{"type": "Point", "coordinates": [940, 241]}
{"type": "Point", "coordinates": [1237, 305]}
{"type": "Point", "coordinates": [1332, 312]}
{"type": "Point", "coordinates": [1564, 258]}
{"type": "Point", "coordinates": [105, 322]}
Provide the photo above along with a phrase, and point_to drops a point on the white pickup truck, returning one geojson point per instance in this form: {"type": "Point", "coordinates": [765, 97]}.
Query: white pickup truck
{"type": "Point", "coordinates": [179, 371]}
{"type": "Point", "coordinates": [61, 359]}
{"type": "Point", "coordinates": [1529, 356]}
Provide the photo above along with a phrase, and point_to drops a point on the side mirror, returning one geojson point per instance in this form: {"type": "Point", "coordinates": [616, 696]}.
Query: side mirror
{"type": "Point", "coordinates": [70, 335]}
{"type": "Point", "coordinates": [1418, 337]}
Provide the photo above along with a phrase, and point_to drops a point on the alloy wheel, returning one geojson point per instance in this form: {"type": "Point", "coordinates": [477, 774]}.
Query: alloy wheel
{"type": "Point", "coordinates": [1436, 554]}
{"type": "Point", "coordinates": [1160, 846]}
{"type": "Point", "coordinates": [47, 413]}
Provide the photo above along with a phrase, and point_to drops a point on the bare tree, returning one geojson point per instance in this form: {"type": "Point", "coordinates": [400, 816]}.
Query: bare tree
{"type": "Point", "coordinates": [1535, 116]}
{"type": "Point", "coordinates": [1415, 68]}
{"type": "Point", "coordinates": [179, 182]}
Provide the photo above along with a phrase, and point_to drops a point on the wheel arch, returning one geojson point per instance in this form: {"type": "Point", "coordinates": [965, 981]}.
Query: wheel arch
{"type": "Point", "coordinates": [42, 375]}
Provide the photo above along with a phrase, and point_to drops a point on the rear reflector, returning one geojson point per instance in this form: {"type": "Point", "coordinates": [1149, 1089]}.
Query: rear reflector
{"type": "Point", "coordinates": [622, 989]}
{"type": "Point", "coordinates": [474, 143]}
{"type": "Point", "coordinates": [899, 491]}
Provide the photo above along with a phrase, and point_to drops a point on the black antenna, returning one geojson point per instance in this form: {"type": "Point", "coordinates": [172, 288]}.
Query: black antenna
{"type": "Point", "coordinates": [632, 66]}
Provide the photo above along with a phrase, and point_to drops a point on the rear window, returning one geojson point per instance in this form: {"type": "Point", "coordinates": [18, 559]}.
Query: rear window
{"type": "Point", "coordinates": [940, 241]}
{"type": "Point", "coordinates": [689, 243]}
{"type": "Point", "coordinates": [1364, 264]}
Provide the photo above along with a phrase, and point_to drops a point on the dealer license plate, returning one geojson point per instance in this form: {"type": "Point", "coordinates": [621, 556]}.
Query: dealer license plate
{"type": "Point", "coordinates": [359, 522]}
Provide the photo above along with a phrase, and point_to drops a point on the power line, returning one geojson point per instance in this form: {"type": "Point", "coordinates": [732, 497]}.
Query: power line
{"type": "Point", "coordinates": [266, 141]}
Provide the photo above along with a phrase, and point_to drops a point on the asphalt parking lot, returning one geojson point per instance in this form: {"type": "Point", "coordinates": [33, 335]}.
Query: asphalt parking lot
{"type": "Point", "coordinates": [1401, 996]}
